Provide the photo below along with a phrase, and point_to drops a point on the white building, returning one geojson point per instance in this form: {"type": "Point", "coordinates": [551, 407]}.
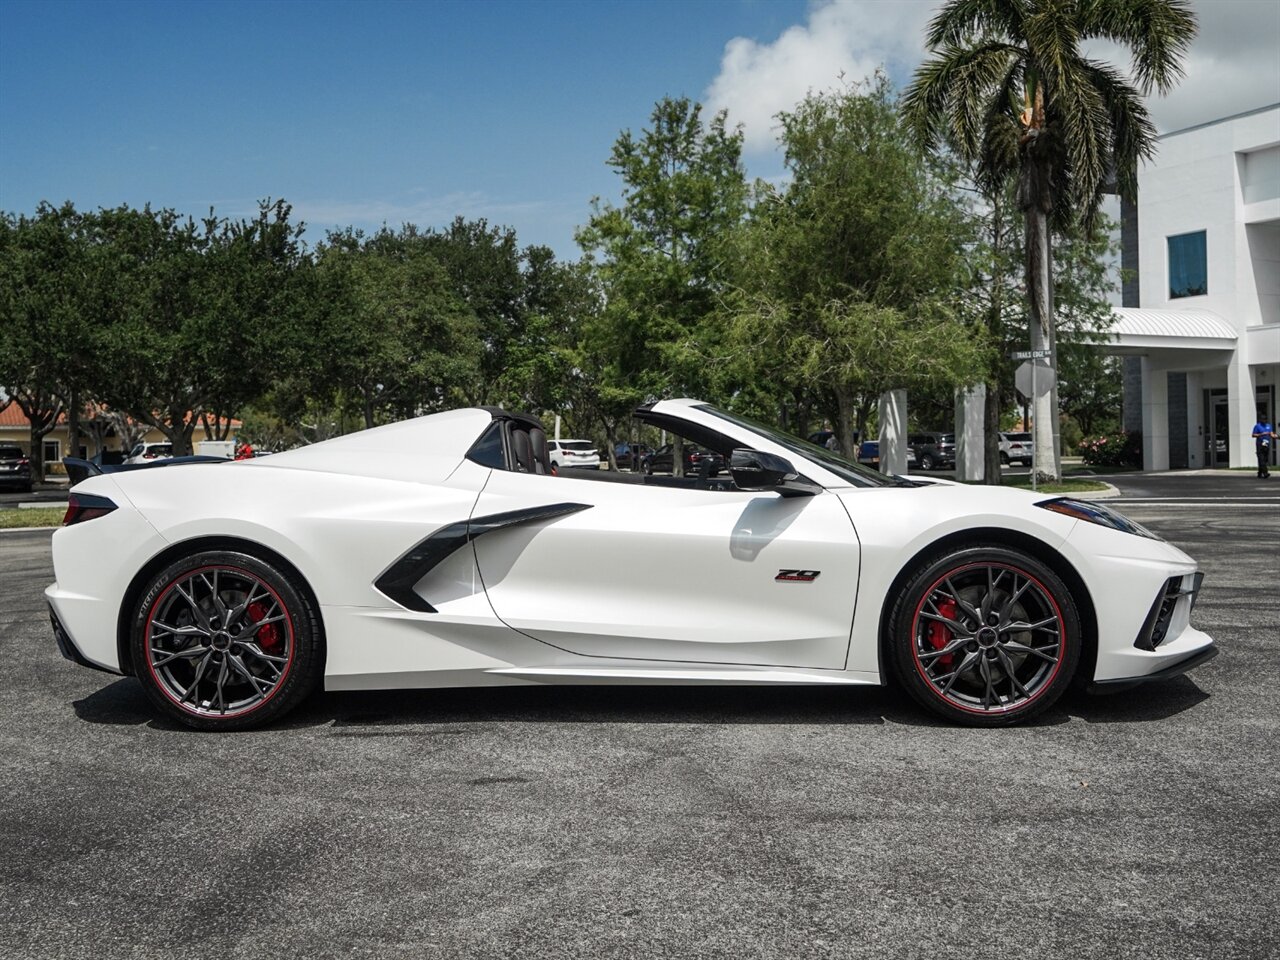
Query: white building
{"type": "Point", "coordinates": [1201, 323]}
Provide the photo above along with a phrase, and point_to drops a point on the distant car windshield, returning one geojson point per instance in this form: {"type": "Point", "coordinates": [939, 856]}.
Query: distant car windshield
{"type": "Point", "coordinates": [11, 453]}
{"type": "Point", "coordinates": [577, 445]}
{"type": "Point", "coordinates": [829, 460]}
{"type": "Point", "coordinates": [1024, 437]}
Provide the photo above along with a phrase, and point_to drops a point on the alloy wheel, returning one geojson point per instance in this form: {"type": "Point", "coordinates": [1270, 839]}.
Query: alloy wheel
{"type": "Point", "coordinates": [219, 641]}
{"type": "Point", "coordinates": [988, 638]}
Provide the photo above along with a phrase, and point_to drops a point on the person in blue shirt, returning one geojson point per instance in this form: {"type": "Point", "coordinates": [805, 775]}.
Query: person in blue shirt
{"type": "Point", "coordinates": [1264, 435]}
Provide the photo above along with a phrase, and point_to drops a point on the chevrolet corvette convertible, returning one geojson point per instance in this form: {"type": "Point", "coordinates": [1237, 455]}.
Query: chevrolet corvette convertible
{"type": "Point", "coordinates": [445, 551]}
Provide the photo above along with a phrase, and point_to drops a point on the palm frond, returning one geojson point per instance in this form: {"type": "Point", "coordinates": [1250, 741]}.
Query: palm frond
{"type": "Point", "coordinates": [949, 94]}
{"type": "Point", "coordinates": [960, 20]}
{"type": "Point", "coordinates": [1158, 34]}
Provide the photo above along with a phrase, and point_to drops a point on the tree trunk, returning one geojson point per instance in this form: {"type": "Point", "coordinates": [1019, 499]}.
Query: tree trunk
{"type": "Point", "coordinates": [991, 436]}
{"type": "Point", "coordinates": [42, 410]}
{"type": "Point", "coordinates": [1040, 294]}
{"type": "Point", "coordinates": [73, 425]}
{"type": "Point", "coordinates": [846, 421]}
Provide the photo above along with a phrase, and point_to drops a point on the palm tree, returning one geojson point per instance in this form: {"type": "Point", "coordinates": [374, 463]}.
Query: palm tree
{"type": "Point", "coordinates": [1010, 90]}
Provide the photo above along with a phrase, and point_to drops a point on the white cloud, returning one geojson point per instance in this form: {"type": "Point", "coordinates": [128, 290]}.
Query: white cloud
{"type": "Point", "coordinates": [850, 37]}
{"type": "Point", "coordinates": [1233, 66]}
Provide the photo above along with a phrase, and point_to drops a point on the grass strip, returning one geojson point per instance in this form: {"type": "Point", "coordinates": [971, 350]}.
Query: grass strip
{"type": "Point", "coordinates": [36, 517]}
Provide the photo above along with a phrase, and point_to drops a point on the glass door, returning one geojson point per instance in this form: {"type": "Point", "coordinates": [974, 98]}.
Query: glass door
{"type": "Point", "coordinates": [1217, 434]}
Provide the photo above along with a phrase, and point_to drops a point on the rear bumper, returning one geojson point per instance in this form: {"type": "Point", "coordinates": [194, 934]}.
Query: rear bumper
{"type": "Point", "coordinates": [67, 645]}
{"type": "Point", "coordinates": [1175, 669]}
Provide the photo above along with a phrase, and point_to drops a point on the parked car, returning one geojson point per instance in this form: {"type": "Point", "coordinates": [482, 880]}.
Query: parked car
{"type": "Point", "coordinates": [232, 591]}
{"type": "Point", "coordinates": [696, 460]}
{"type": "Point", "coordinates": [15, 467]}
{"type": "Point", "coordinates": [578, 454]}
{"type": "Point", "coordinates": [869, 454]}
{"type": "Point", "coordinates": [934, 451]}
{"type": "Point", "coordinates": [1016, 448]}
{"type": "Point", "coordinates": [631, 456]}
{"type": "Point", "coordinates": [146, 452]}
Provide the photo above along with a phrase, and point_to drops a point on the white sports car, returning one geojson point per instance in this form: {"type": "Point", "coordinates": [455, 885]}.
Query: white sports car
{"type": "Point", "coordinates": [442, 552]}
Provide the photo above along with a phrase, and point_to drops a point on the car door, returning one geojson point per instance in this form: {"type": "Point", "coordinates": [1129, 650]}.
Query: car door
{"type": "Point", "coordinates": [663, 572]}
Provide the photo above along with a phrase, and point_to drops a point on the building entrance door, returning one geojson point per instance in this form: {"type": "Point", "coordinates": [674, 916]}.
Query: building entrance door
{"type": "Point", "coordinates": [1217, 433]}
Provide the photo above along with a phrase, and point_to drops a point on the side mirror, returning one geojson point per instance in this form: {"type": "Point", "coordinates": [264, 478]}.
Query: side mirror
{"type": "Point", "coordinates": [757, 470]}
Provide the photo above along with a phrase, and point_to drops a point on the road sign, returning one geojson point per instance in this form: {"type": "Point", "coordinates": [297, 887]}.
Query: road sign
{"type": "Point", "coordinates": [1034, 378]}
{"type": "Point", "coordinates": [1030, 354]}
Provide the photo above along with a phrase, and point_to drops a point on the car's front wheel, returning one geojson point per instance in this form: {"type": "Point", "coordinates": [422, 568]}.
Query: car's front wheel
{"type": "Point", "coordinates": [223, 640]}
{"type": "Point", "coordinates": [985, 635]}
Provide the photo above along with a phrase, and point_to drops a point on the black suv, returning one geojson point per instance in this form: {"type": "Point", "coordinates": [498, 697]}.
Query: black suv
{"type": "Point", "coordinates": [15, 468]}
{"type": "Point", "coordinates": [934, 451]}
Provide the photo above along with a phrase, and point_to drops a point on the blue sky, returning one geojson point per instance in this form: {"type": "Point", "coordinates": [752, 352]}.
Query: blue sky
{"type": "Point", "coordinates": [359, 113]}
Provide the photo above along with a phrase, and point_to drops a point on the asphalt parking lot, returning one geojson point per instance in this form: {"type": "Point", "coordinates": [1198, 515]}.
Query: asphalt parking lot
{"type": "Point", "coordinates": [670, 822]}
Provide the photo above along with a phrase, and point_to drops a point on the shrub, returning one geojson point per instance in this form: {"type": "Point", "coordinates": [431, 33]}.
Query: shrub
{"type": "Point", "coordinates": [1122, 449]}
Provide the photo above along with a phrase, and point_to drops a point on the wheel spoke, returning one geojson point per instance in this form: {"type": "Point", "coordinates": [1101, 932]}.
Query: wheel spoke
{"type": "Point", "coordinates": [187, 654]}
{"type": "Point", "coordinates": [201, 667]}
{"type": "Point", "coordinates": [244, 671]}
{"type": "Point", "coordinates": [988, 684]}
{"type": "Point", "coordinates": [952, 647]}
{"type": "Point", "coordinates": [193, 604]}
{"type": "Point", "coordinates": [955, 626]}
{"type": "Point", "coordinates": [250, 647]}
{"type": "Point", "coordinates": [965, 665]}
{"type": "Point", "coordinates": [219, 684]}
{"type": "Point", "coordinates": [961, 602]}
{"type": "Point", "coordinates": [190, 631]}
{"type": "Point", "coordinates": [1013, 646]}
{"type": "Point", "coordinates": [1007, 665]}
{"type": "Point", "coordinates": [1022, 626]}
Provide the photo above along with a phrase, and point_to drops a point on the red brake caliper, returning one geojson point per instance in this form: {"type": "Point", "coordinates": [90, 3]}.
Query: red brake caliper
{"type": "Point", "coordinates": [938, 634]}
{"type": "Point", "coordinates": [269, 636]}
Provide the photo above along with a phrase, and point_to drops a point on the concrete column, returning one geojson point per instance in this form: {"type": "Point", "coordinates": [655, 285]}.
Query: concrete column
{"type": "Point", "coordinates": [970, 420]}
{"type": "Point", "coordinates": [1132, 404]}
{"type": "Point", "coordinates": [1155, 417]}
{"type": "Point", "coordinates": [893, 431]}
{"type": "Point", "coordinates": [1195, 421]}
{"type": "Point", "coordinates": [1242, 412]}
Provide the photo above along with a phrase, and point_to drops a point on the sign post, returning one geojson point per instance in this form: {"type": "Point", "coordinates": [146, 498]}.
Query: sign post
{"type": "Point", "coordinates": [1032, 356]}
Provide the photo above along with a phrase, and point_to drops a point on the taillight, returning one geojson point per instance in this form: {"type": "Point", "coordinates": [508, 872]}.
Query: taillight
{"type": "Point", "coordinates": [24, 462]}
{"type": "Point", "coordinates": [86, 506]}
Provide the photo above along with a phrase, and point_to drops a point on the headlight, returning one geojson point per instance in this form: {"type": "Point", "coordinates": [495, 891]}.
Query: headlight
{"type": "Point", "coordinates": [1096, 513]}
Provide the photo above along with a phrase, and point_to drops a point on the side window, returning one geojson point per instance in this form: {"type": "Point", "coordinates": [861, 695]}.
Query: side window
{"type": "Point", "coordinates": [488, 451]}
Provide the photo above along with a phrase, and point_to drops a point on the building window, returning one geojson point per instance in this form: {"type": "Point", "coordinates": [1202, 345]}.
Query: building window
{"type": "Point", "coordinates": [52, 451]}
{"type": "Point", "coordinates": [1188, 266]}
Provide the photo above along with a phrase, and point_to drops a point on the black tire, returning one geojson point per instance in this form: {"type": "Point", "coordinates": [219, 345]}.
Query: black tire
{"type": "Point", "coordinates": [984, 674]}
{"type": "Point", "coordinates": [926, 462]}
{"type": "Point", "coordinates": [214, 666]}
{"type": "Point", "coordinates": [1004, 459]}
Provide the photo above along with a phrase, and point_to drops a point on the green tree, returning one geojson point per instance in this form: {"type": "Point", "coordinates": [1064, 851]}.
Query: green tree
{"type": "Point", "coordinates": [1010, 89]}
{"type": "Point", "coordinates": [849, 269]}
{"type": "Point", "coordinates": [43, 321]}
{"type": "Point", "coordinates": [194, 315]}
{"type": "Point", "coordinates": [394, 340]}
{"type": "Point", "coordinates": [662, 258]}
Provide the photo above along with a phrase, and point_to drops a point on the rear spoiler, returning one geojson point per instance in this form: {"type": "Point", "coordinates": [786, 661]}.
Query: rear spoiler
{"type": "Point", "coordinates": [79, 470]}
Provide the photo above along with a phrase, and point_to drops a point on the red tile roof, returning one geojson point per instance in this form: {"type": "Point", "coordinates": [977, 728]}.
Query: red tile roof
{"type": "Point", "coordinates": [11, 415]}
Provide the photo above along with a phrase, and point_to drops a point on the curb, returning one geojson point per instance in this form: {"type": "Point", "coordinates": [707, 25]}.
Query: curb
{"type": "Point", "coordinates": [26, 529]}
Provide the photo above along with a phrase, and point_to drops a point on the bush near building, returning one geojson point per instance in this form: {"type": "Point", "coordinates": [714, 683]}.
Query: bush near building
{"type": "Point", "coordinates": [1120, 449]}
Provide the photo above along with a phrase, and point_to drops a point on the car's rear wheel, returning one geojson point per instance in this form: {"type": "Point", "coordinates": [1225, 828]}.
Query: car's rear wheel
{"type": "Point", "coordinates": [1004, 459]}
{"type": "Point", "coordinates": [926, 462]}
{"type": "Point", "coordinates": [985, 635]}
{"type": "Point", "coordinates": [223, 640]}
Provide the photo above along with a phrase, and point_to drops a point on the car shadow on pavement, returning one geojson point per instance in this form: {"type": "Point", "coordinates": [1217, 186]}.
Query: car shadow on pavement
{"type": "Point", "coordinates": [1145, 703]}
{"type": "Point", "coordinates": [123, 703]}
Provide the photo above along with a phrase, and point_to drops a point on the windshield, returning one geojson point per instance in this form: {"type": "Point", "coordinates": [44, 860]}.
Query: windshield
{"type": "Point", "coordinates": [577, 445]}
{"type": "Point", "coordinates": [856, 474]}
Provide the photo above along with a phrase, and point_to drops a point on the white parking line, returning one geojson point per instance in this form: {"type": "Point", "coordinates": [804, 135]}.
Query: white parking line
{"type": "Point", "coordinates": [1229, 501]}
